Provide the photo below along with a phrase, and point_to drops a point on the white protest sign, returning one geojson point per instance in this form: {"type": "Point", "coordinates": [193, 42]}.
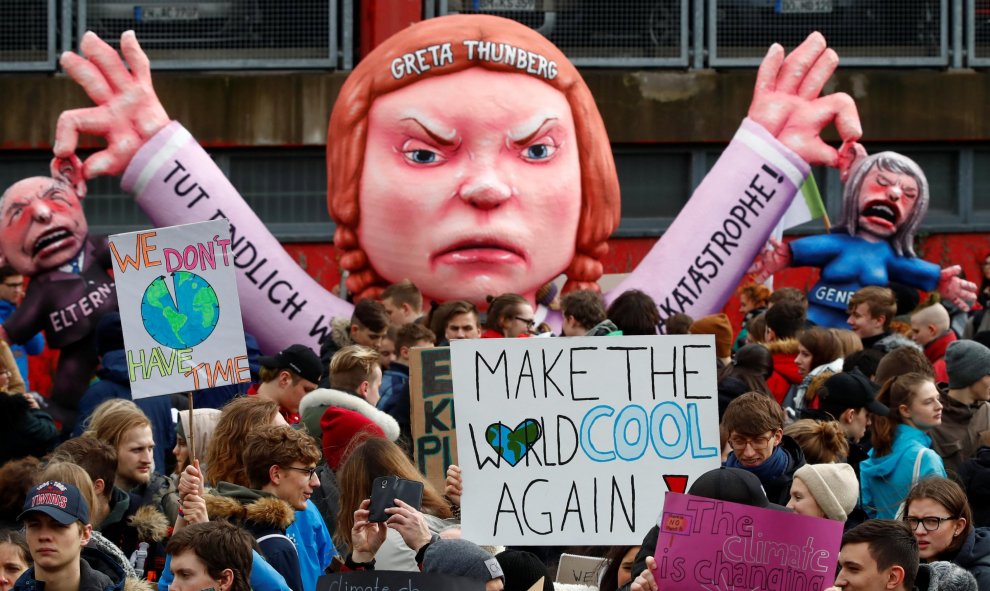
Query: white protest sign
{"type": "Point", "coordinates": [574, 441]}
{"type": "Point", "coordinates": [181, 317]}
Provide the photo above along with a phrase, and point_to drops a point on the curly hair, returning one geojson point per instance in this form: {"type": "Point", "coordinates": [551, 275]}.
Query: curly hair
{"type": "Point", "coordinates": [238, 418]}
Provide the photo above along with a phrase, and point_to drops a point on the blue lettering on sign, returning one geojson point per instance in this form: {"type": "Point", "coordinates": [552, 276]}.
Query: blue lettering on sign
{"type": "Point", "coordinates": [633, 431]}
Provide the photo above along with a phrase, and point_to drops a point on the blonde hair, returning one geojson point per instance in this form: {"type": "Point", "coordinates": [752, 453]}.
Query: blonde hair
{"type": "Point", "coordinates": [352, 365]}
{"type": "Point", "coordinates": [823, 442]}
{"type": "Point", "coordinates": [113, 419]}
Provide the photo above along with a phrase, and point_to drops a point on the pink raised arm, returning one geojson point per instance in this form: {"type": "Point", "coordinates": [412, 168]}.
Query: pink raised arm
{"type": "Point", "coordinates": [770, 260]}
{"type": "Point", "coordinates": [786, 101]}
{"type": "Point", "coordinates": [127, 111]}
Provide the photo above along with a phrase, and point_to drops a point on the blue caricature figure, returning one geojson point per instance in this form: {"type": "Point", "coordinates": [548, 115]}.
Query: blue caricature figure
{"type": "Point", "coordinates": [884, 201]}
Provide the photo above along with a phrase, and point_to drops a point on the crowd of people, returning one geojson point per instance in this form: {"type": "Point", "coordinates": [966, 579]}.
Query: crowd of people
{"type": "Point", "coordinates": [883, 426]}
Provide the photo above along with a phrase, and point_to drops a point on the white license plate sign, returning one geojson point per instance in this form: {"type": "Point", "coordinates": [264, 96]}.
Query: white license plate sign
{"type": "Point", "coordinates": [495, 5]}
{"type": "Point", "coordinates": [166, 13]}
{"type": "Point", "coordinates": [805, 6]}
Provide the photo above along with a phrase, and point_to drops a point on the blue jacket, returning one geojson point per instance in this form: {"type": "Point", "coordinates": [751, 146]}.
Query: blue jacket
{"type": "Point", "coordinates": [34, 346]}
{"type": "Point", "coordinates": [309, 533]}
{"type": "Point", "coordinates": [886, 480]}
{"type": "Point", "coordinates": [263, 576]}
{"type": "Point", "coordinates": [113, 383]}
{"type": "Point", "coordinates": [394, 394]}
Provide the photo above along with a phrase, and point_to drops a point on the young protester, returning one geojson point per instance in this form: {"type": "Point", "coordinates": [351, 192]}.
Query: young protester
{"type": "Point", "coordinates": [901, 454]}
{"type": "Point", "coordinates": [288, 376]}
{"type": "Point", "coordinates": [365, 327]}
{"type": "Point", "coordinates": [200, 422]}
{"type": "Point", "coordinates": [965, 407]}
{"type": "Point", "coordinates": [15, 557]}
{"type": "Point", "coordinates": [754, 425]}
{"type": "Point", "coordinates": [280, 465]}
{"type": "Point", "coordinates": [883, 555]}
{"type": "Point", "coordinates": [930, 328]}
{"type": "Point", "coordinates": [618, 568]}
{"type": "Point", "coordinates": [634, 313]}
{"type": "Point", "coordinates": [938, 513]}
{"type": "Point", "coordinates": [584, 315]}
{"type": "Point", "coordinates": [818, 351]}
{"type": "Point", "coordinates": [823, 442]}
{"type": "Point", "coordinates": [394, 390]}
{"type": "Point", "coordinates": [871, 311]}
{"type": "Point", "coordinates": [824, 490]}
{"type": "Point", "coordinates": [785, 321]}
{"type": "Point", "coordinates": [509, 316]}
{"type": "Point", "coordinates": [850, 399]}
{"type": "Point", "coordinates": [213, 555]}
{"type": "Point", "coordinates": [455, 320]}
{"type": "Point", "coordinates": [753, 301]}
{"type": "Point", "coordinates": [751, 367]}
{"type": "Point", "coordinates": [403, 302]}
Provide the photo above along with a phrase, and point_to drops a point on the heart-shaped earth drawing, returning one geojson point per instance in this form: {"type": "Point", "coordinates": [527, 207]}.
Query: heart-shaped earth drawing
{"type": "Point", "coordinates": [512, 444]}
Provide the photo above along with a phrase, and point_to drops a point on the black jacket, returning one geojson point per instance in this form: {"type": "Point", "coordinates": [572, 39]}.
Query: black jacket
{"type": "Point", "coordinates": [974, 475]}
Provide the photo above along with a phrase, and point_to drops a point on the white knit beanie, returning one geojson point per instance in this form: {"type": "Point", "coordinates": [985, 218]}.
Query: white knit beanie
{"type": "Point", "coordinates": [834, 487]}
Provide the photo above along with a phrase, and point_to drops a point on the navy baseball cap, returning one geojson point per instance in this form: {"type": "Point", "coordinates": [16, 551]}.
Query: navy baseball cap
{"type": "Point", "coordinates": [62, 502]}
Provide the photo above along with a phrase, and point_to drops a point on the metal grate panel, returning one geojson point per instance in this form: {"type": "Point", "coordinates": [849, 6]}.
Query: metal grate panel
{"type": "Point", "coordinates": [27, 35]}
{"type": "Point", "coordinates": [595, 33]}
{"type": "Point", "coordinates": [221, 34]}
{"type": "Point", "coordinates": [863, 32]}
{"type": "Point", "coordinates": [977, 20]}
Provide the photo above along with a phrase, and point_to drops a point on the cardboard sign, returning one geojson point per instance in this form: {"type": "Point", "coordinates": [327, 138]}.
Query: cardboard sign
{"type": "Point", "coordinates": [181, 317]}
{"type": "Point", "coordinates": [431, 400]}
{"type": "Point", "coordinates": [579, 570]}
{"type": "Point", "coordinates": [709, 544]}
{"type": "Point", "coordinates": [396, 581]}
{"type": "Point", "coordinates": [568, 440]}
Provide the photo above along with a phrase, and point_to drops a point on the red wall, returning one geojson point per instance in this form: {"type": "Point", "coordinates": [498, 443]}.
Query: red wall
{"type": "Point", "coordinates": [967, 250]}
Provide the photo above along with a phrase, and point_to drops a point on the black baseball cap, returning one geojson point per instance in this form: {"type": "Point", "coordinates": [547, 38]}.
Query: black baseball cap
{"type": "Point", "coordinates": [58, 500]}
{"type": "Point", "coordinates": [299, 358]}
{"type": "Point", "coordinates": [850, 389]}
{"type": "Point", "coordinates": [733, 485]}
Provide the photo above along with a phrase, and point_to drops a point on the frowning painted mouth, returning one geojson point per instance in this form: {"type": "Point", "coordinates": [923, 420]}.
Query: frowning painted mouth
{"type": "Point", "coordinates": [491, 252]}
{"type": "Point", "coordinates": [51, 242]}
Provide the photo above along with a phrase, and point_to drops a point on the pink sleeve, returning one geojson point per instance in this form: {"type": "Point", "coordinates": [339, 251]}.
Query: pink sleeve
{"type": "Point", "coordinates": [698, 262]}
{"type": "Point", "coordinates": [176, 182]}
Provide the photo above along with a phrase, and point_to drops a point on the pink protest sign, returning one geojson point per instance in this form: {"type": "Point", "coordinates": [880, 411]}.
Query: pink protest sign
{"type": "Point", "coordinates": [719, 546]}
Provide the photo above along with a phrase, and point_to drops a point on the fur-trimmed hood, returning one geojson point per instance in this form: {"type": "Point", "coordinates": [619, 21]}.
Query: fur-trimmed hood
{"type": "Point", "coordinates": [782, 347]}
{"type": "Point", "coordinates": [340, 332]}
{"type": "Point", "coordinates": [151, 524]}
{"type": "Point", "coordinates": [244, 505]}
{"type": "Point", "coordinates": [315, 403]}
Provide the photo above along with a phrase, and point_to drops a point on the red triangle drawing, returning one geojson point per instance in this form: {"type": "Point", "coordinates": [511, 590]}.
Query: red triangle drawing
{"type": "Point", "coordinates": [675, 482]}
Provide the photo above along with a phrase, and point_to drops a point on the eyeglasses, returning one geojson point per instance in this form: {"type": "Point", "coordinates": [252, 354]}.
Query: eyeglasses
{"type": "Point", "coordinates": [757, 443]}
{"type": "Point", "coordinates": [930, 523]}
{"type": "Point", "coordinates": [529, 322]}
{"type": "Point", "coordinates": [308, 471]}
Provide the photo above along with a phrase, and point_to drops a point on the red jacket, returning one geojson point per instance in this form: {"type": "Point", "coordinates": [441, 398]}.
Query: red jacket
{"type": "Point", "coordinates": [785, 371]}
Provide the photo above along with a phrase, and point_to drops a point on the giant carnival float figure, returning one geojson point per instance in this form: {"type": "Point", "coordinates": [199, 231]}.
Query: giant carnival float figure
{"type": "Point", "coordinates": [45, 236]}
{"type": "Point", "coordinates": [884, 200]}
{"type": "Point", "coordinates": [466, 154]}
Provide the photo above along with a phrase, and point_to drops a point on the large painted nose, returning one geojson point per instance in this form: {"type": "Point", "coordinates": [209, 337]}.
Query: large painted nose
{"type": "Point", "coordinates": [484, 188]}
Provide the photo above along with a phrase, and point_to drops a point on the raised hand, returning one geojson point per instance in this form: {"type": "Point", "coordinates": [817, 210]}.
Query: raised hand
{"type": "Point", "coordinates": [453, 489]}
{"type": "Point", "coordinates": [366, 536]}
{"type": "Point", "coordinates": [786, 101]}
{"type": "Point", "coordinates": [955, 289]}
{"type": "Point", "coordinates": [410, 523]}
{"type": "Point", "coordinates": [127, 111]}
{"type": "Point", "coordinates": [770, 260]}
{"type": "Point", "coordinates": [645, 581]}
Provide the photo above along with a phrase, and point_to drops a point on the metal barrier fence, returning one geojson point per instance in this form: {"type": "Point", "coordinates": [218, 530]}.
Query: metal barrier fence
{"type": "Point", "coordinates": [223, 34]}
{"type": "Point", "coordinates": [864, 32]}
{"type": "Point", "coordinates": [649, 33]}
{"type": "Point", "coordinates": [27, 35]}
{"type": "Point", "coordinates": [234, 34]}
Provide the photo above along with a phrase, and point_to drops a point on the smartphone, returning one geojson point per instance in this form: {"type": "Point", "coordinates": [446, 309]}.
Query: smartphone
{"type": "Point", "coordinates": [386, 489]}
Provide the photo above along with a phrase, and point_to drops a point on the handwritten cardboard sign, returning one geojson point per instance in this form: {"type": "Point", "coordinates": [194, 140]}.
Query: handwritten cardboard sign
{"type": "Point", "coordinates": [181, 316]}
{"type": "Point", "coordinates": [568, 440]}
{"type": "Point", "coordinates": [396, 581]}
{"type": "Point", "coordinates": [709, 544]}
{"type": "Point", "coordinates": [431, 399]}
{"type": "Point", "coordinates": [579, 570]}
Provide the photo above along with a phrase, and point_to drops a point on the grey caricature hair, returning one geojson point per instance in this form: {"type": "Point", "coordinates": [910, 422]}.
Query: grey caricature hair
{"type": "Point", "coordinates": [903, 240]}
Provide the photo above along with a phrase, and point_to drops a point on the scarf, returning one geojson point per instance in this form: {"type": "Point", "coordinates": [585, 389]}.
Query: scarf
{"type": "Point", "coordinates": [768, 471]}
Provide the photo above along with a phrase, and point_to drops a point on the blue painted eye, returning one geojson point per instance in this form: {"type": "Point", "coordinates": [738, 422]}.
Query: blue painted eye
{"type": "Point", "coordinates": [539, 152]}
{"type": "Point", "coordinates": [422, 156]}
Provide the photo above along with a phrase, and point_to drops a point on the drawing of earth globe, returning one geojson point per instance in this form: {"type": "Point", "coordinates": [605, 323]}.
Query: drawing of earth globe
{"type": "Point", "coordinates": [189, 318]}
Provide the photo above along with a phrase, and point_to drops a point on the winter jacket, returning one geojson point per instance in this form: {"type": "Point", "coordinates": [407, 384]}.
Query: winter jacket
{"type": "Point", "coordinates": [793, 405]}
{"type": "Point", "coordinates": [97, 572]}
{"type": "Point", "coordinates": [889, 341]}
{"type": "Point", "coordinates": [340, 337]}
{"type": "Point", "coordinates": [265, 517]}
{"type": "Point", "coordinates": [315, 404]}
{"type": "Point", "coordinates": [974, 556]}
{"type": "Point", "coordinates": [33, 346]}
{"type": "Point", "coordinates": [114, 383]}
{"type": "Point", "coordinates": [24, 431]}
{"type": "Point", "coordinates": [958, 437]}
{"type": "Point", "coordinates": [943, 576]}
{"type": "Point", "coordinates": [935, 353]}
{"type": "Point", "coordinates": [161, 493]}
{"type": "Point", "coordinates": [974, 475]}
{"type": "Point", "coordinates": [395, 397]}
{"type": "Point", "coordinates": [263, 576]}
{"type": "Point", "coordinates": [129, 524]}
{"type": "Point", "coordinates": [785, 371]}
{"type": "Point", "coordinates": [313, 543]}
{"type": "Point", "coordinates": [886, 480]}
